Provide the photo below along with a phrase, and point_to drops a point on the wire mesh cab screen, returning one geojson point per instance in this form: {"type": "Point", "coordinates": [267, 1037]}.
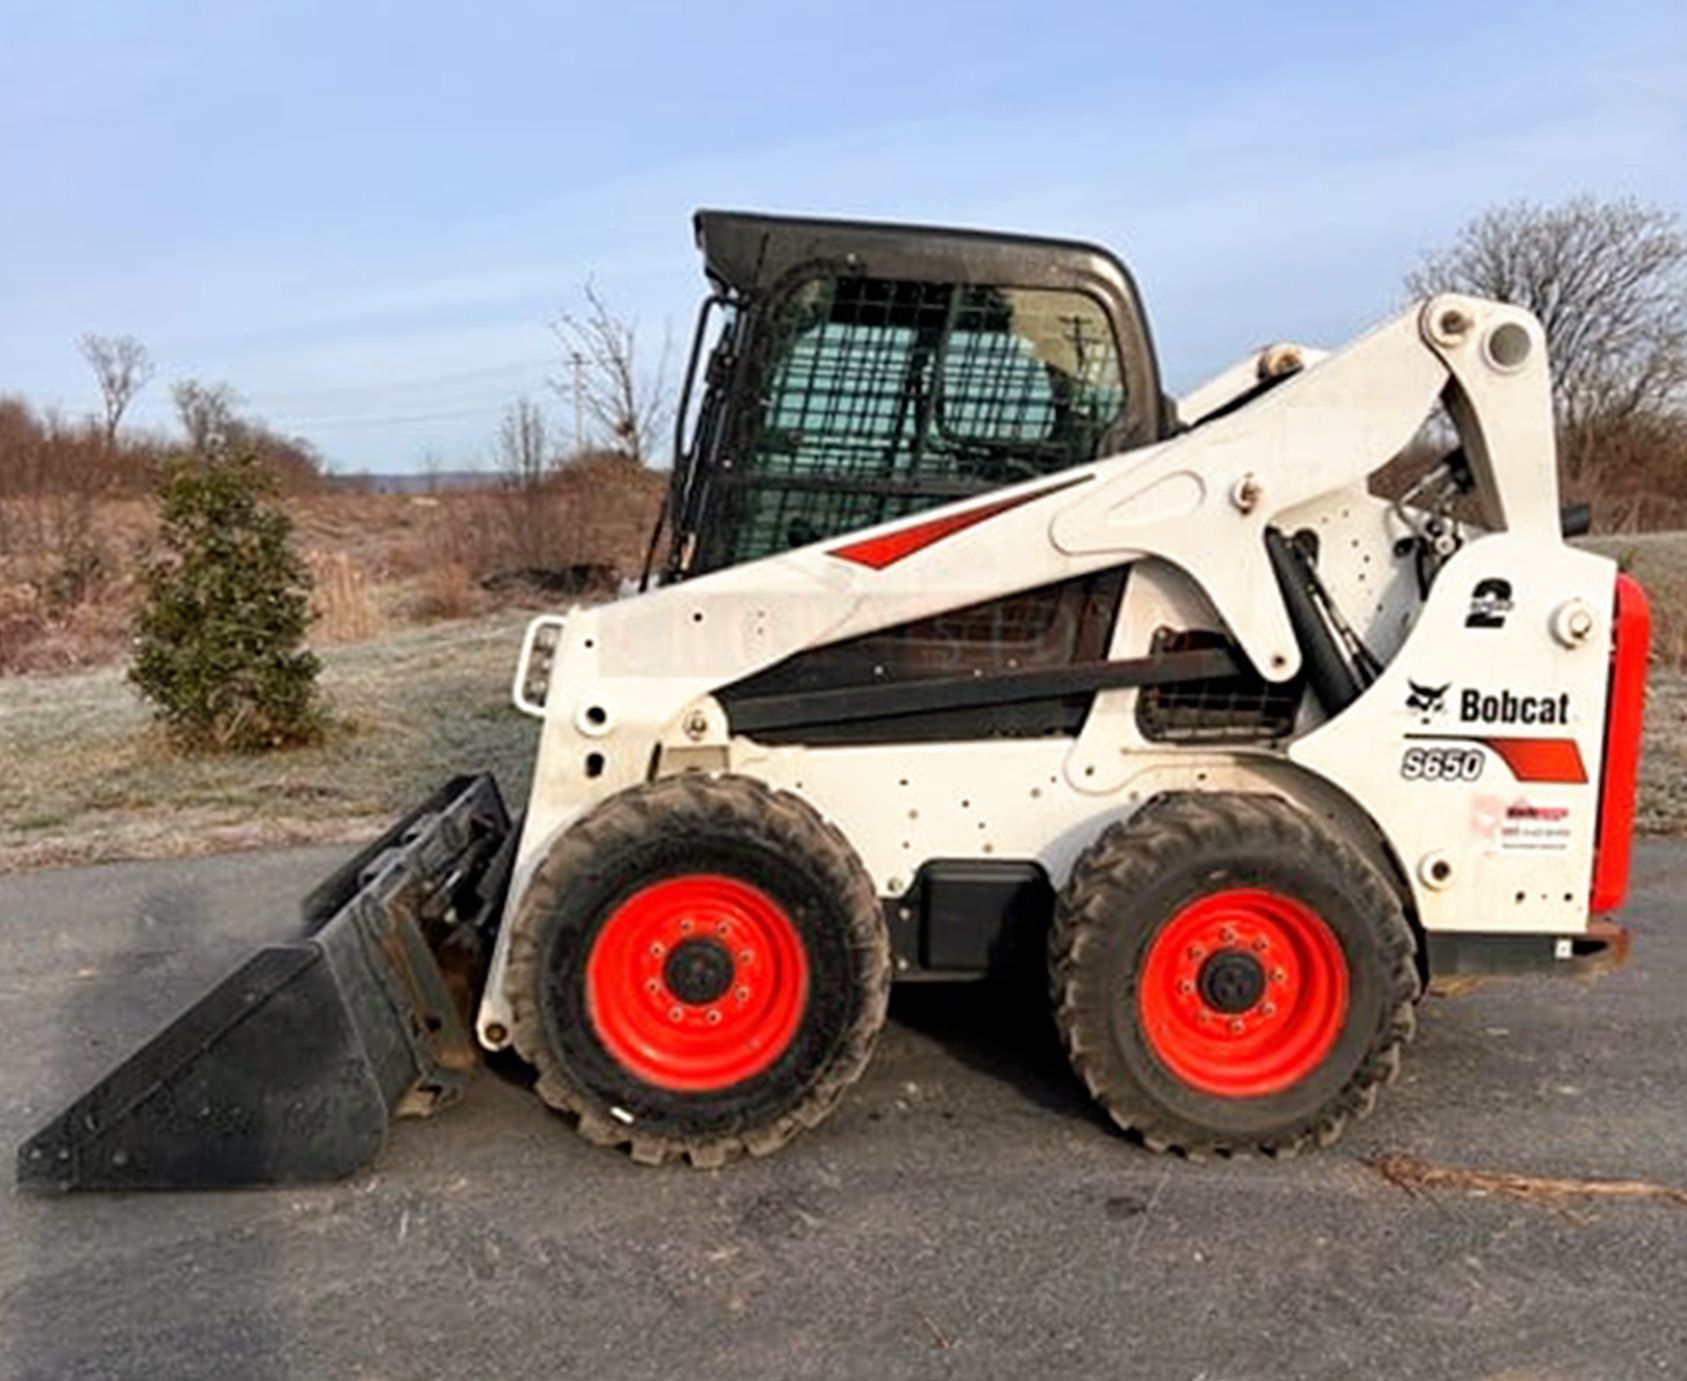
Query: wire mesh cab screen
{"type": "Point", "coordinates": [871, 398]}
{"type": "Point", "coordinates": [1242, 708]}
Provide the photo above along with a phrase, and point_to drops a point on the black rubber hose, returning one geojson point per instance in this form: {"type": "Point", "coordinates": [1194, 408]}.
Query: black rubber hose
{"type": "Point", "coordinates": [1331, 675]}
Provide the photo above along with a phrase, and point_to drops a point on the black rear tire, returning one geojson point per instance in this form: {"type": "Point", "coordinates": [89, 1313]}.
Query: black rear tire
{"type": "Point", "coordinates": [1228, 975]}
{"type": "Point", "coordinates": [770, 1022]}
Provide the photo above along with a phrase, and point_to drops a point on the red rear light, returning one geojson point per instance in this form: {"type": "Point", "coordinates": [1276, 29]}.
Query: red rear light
{"type": "Point", "coordinates": [1630, 642]}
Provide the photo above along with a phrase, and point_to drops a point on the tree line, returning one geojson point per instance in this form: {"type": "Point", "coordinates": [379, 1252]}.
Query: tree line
{"type": "Point", "coordinates": [1608, 282]}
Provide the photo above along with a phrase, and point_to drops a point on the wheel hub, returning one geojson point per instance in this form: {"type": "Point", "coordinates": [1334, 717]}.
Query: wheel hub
{"type": "Point", "coordinates": [1231, 981]}
{"type": "Point", "coordinates": [698, 971]}
{"type": "Point", "coordinates": [697, 983]}
{"type": "Point", "coordinates": [1243, 992]}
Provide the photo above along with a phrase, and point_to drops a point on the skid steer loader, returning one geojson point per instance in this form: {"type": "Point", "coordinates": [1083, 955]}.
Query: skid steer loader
{"type": "Point", "coordinates": [967, 652]}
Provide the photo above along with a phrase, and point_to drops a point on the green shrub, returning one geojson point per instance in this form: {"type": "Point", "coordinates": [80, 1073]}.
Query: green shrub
{"type": "Point", "coordinates": [219, 639]}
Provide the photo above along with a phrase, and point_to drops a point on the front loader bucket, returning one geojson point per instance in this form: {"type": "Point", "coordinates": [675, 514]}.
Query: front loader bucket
{"type": "Point", "coordinates": [290, 1069]}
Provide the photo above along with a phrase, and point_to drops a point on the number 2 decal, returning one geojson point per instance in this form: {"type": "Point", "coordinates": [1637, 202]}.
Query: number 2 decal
{"type": "Point", "coordinates": [1442, 764]}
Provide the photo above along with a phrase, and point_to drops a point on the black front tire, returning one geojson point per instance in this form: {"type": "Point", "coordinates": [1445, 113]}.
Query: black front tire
{"type": "Point", "coordinates": [640, 849]}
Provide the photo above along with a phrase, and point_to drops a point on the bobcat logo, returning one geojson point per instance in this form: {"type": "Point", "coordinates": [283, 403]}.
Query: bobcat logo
{"type": "Point", "coordinates": [1428, 700]}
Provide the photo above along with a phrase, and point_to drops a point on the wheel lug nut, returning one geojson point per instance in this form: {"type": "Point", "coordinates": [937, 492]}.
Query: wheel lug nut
{"type": "Point", "coordinates": [1186, 986]}
{"type": "Point", "coordinates": [652, 986]}
{"type": "Point", "coordinates": [1237, 1026]}
{"type": "Point", "coordinates": [1269, 1009]}
{"type": "Point", "coordinates": [723, 929]}
{"type": "Point", "coordinates": [1227, 935]}
{"type": "Point", "coordinates": [746, 956]}
{"type": "Point", "coordinates": [1196, 952]}
{"type": "Point", "coordinates": [676, 1014]}
{"type": "Point", "coordinates": [656, 949]}
{"type": "Point", "coordinates": [743, 994]}
{"type": "Point", "coordinates": [686, 926]}
{"type": "Point", "coordinates": [1261, 945]}
{"type": "Point", "coordinates": [714, 1016]}
{"type": "Point", "coordinates": [1278, 976]}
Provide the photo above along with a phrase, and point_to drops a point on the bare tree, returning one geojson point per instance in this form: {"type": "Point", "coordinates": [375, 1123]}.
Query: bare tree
{"type": "Point", "coordinates": [122, 368]}
{"type": "Point", "coordinates": [206, 412]}
{"type": "Point", "coordinates": [1608, 281]}
{"type": "Point", "coordinates": [524, 455]}
{"type": "Point", "coordinates": [526, 464]}
{"type": "Point", "coordinates": [610, 396]}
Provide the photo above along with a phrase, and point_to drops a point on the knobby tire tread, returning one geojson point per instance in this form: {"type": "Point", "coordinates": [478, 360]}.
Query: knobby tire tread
{"type": "Point", "coordinates": [687, 802]}
{"type": "Point", "coordinates": [1178, 831]}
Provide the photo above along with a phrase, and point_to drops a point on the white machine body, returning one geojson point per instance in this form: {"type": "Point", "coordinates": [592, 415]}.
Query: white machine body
{"type": "Point", "coordinates": [1468, 769]}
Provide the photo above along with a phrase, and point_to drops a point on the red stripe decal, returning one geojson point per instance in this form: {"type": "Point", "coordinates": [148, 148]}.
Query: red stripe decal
{"type": "Point", "coordinates": [880, 552]}
{"type": "Point", "coordinates": [1541, 759]}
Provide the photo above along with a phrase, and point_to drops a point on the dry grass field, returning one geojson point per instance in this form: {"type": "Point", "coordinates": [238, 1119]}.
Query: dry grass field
{"type": "Point", "coordinates": [70, 576]}
{"type": "Point", "coordinates": [88, 779]}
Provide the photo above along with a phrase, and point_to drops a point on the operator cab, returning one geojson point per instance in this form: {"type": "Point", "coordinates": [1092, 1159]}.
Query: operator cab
{"type": "Point", "coordinates": [855, 373]}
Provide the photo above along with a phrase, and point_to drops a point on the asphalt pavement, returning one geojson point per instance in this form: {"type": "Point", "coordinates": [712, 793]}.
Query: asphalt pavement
{"type": "Point", "coordinates": [965, 1213]}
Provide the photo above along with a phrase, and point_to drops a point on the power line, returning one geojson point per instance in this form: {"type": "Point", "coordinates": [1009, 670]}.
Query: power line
{"type": "Point", "coordinates": [268, 400]}
{"type": "Point", "coordinates": [384, 419]}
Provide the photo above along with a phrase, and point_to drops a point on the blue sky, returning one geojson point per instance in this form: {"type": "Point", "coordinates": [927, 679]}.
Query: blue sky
{"type": "Point", "coordinates": [363, 215]}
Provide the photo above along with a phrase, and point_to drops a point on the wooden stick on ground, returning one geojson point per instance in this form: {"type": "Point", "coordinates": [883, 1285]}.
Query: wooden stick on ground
{"type": "Point", "coordinates": [1415, 1175]}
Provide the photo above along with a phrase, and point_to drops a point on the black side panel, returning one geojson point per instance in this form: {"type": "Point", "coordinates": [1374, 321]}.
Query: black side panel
{"type": "Point", "coordinates": [983, 917]}
{"type": "Point", "coordinates": [1055, 626]}
{"type": "Point", "coordinates": [1573, 956]}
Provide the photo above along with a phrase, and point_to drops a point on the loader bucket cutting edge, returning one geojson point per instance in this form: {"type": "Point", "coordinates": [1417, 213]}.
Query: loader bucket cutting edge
{"type": "Point", "coordinates": [289, 1070]}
